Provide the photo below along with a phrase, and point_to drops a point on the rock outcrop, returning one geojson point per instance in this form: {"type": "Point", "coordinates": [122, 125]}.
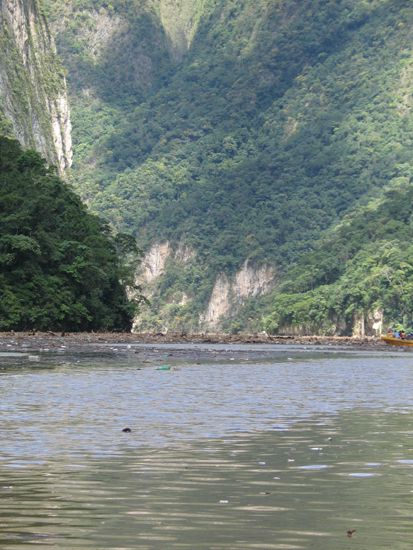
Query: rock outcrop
{"type": "Point", "coordinates": [153, 264]}
{"type": "Point", "coordinates": [33, 98]}
{"type": "Point", "coordinates": [229, 294]}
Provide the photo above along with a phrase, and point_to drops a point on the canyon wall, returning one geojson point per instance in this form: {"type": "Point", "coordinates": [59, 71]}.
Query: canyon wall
{"type": "Point", "coordinates": [33, 96]}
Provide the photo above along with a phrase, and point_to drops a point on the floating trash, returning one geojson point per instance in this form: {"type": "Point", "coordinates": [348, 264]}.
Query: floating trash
{"type": "Point", "coordinates": [280, 428]}
{"type": "Point", "coordinates": [164, 367]}
{"type": "Point", "coordinates": [313, 467]}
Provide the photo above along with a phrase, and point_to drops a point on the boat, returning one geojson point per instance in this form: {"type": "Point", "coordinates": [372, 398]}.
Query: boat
{"type": "Point", "coordinates": [392, 341]}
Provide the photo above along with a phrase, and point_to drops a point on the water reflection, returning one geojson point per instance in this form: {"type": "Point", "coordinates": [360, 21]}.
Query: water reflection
{"type": "Point", "coordinates": [274, 455]}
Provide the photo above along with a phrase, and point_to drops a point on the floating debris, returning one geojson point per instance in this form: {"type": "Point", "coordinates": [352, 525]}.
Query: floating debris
{"type": "Point", "coordinates": [363, 474]}
{"type": "Point", "coordinates": [313, 467]}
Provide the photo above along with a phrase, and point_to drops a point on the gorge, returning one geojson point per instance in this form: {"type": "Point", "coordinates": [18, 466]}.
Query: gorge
{"type": "Point", "coordinates": [270, 141]}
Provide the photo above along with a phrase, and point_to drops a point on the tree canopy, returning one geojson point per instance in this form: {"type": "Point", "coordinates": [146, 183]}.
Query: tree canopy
{"type": "Point", "coordinates": [279, 120]}
{"type": "Point", "coordinates": [59, 267]}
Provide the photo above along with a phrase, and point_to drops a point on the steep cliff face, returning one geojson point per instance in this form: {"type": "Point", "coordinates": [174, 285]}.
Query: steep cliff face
{"type": "Point", "coordinates": [33, 99]}
{"type": "Point", "coordinates": [176, 310]}
{"type": "Point", "coordinates": [230, 294]}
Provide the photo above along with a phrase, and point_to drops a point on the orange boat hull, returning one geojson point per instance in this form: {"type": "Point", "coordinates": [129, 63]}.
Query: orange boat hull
{"type": "Point", "coordinates": [396, 341]}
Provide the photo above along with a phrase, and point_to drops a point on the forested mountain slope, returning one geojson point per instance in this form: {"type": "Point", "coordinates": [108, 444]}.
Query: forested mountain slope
{"type": "Point", "coordinates": [359, 271]}
{"type": "Point", "coordinates": [230, 135]}
{"type": "Point", "coordinates": [59, 266]}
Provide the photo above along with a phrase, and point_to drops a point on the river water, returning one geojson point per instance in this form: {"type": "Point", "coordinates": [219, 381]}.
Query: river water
{"type": "Point", "coordinates": [230, 448]}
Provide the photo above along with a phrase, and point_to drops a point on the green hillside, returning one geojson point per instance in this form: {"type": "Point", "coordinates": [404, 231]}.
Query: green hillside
{"type": "Point", "coordinates": [279, 119]}
{"type": "Point", "coordinates": [364, 265]}
{"type": "Point", "coordinates": [59, 264]}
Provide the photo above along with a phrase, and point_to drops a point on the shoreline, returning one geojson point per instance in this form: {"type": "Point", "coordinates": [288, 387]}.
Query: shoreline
{"type": "Point", "coordinates": [15, 341]}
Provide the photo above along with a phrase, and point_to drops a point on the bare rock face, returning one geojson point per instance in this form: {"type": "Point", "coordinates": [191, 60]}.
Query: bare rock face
{"type": "Point", "coordinates": [33, 98]}
{"type": "Point", "coordinates": [229, 295]}
{"type": "Point", "coordinates": [219, 304]}
{"type": "Point", "coordinates": [154, 262]}
{"type": "Point", "coordinates": [368, 323]}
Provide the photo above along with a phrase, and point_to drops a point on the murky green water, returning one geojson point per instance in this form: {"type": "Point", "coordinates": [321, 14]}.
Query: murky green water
{"type": "Point", "coordinates": [226, 452]}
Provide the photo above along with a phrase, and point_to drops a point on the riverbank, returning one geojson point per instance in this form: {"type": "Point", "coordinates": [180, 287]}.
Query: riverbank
{"type": "Point", "coordinates": [14, 341]}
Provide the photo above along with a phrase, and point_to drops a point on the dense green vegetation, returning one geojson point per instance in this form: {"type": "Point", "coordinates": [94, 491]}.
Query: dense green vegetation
{"type": "Point", "coordinates": [281, 118]}
{"type": "Point", "coordinates": [364, 265]}
{"type": "Point", "coordinates": [59, 264]}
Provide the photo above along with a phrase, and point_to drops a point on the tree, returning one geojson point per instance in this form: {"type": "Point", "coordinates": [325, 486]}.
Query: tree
{"type": "Point", "coordinates": [59, 266]}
